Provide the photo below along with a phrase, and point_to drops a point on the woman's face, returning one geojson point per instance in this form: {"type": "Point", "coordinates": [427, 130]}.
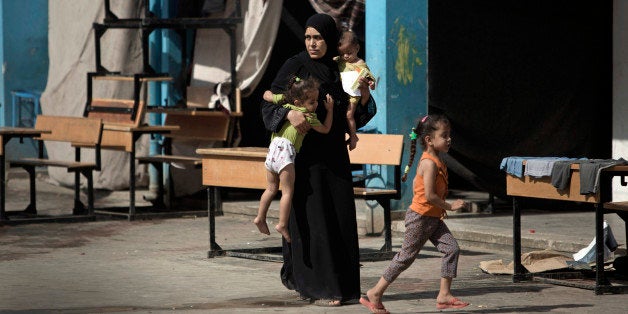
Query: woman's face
{"type": "Point", "coordinates": [314, 43]}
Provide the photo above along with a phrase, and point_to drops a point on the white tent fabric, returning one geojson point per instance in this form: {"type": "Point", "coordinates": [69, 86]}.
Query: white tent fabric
{"type": "Point", "coordinates": [254, 46]}
{"type": "Point", "coordinates": [72, 56]}
{"type": "Point", "coordinates": [212, 65]}
{"type": "Point", "coordinates": [71, 48]}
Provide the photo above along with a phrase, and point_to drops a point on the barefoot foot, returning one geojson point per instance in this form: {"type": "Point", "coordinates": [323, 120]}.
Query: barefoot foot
{"type": "Point", "coordinates": [284, 232]}
{"type": "Point", "coordinates": [373, 298]}
{"type": "Point", "coordinates": [261, 225]}
{"type": "Point", "coordinates": [373, 303]}
{"type": "Point", "coordinates": [450, 303]}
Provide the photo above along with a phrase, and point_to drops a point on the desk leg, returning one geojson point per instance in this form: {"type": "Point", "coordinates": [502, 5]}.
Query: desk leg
{"type": "Point", "coordinates": [600, 278]}
{"type": "Point", "coordinates": [3, 215]}
{"type": "Point", "coordinates": [387, 222]}
{"type": "Point", "coordinates": [518, 274]}
{"type": "Point", "coordinates": [211, 208]}
{"type": "Point", "coordinates": [624, 216]}
{"type": "Point", "coordinates": [132, 183]}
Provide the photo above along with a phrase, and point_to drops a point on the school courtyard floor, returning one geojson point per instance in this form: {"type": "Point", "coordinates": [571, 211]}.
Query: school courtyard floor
{"type": "Point", "coordinates": [161, 265]}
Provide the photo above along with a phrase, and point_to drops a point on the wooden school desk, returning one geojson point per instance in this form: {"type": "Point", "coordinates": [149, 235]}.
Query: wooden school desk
{"type": "Point", "coordinates": [6, 134]}
{"type": "Point", "coordinates": [543, 188]}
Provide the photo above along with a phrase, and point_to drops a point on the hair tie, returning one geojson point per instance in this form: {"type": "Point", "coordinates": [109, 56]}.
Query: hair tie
{"type": "Point", "coordinates": [424, 119]}
{"type": "Point", "coordinates": [297, 79]}
{"type": "Point", "coordinates": [407, 169]}
{"type": "Point", "coordinates": [413, 135]}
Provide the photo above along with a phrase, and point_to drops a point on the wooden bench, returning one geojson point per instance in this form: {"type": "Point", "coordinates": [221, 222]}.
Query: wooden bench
{"type": "Point", "coordinates": [194, 125]}
{"type": "Point", "coordinates": [380, 149]}
{"type": "Point", "coordinates": [243, 167]}
{"type": "Point", "coordinates": [77, 131]}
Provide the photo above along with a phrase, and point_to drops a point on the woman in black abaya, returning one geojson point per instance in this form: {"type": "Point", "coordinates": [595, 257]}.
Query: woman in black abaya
{"type": "Point", "coordinates": [322, 261]}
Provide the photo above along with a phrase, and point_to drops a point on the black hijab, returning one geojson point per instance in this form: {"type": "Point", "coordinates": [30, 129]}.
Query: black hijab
{"type": "Point", "coordinates": [324, 68]}
{"type": "Point", "coordinates": [326, 26]}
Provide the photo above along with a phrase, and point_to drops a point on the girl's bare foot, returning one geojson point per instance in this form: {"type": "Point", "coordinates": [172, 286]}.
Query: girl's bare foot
{"type": "Point", "coordinates": [375, 299]}
{"type": "Point", "coordinates": [448, 301]}
{"type": "Point", "coordinates": [284, 232]}
{"type": "Point", "coordinates": [261, 225]}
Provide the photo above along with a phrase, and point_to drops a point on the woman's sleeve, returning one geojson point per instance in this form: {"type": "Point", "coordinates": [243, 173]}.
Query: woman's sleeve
{"type": "Point", "coordinates": [274, 115]}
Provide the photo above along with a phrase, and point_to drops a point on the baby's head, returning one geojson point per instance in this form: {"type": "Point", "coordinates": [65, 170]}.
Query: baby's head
{"type": "Point", "coordinates": [348, 46]}
{"type": "Point", "coordinates": [303, 93]}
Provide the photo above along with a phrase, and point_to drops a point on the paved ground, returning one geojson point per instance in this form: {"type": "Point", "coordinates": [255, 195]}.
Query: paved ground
{"type": "Point", "coordinates": [161, 265]}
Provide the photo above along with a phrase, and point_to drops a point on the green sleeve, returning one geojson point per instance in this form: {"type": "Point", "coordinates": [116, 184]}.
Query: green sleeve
{"type": "Point", "coordinates": [312, 119]}
{"type": "Point", "coordinates": [278, 99]}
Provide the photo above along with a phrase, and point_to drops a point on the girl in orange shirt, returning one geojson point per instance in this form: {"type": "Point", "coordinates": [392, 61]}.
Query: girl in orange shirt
{"type": "Point", "coordinates": [424, 218]}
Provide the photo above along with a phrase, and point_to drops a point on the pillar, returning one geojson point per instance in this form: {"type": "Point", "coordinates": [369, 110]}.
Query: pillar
{"type": "Point", "coordinates": [396, 52]}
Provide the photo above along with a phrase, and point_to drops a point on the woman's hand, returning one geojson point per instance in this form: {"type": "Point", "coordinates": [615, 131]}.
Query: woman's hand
{"type": "Point", "coordinates": [297, 119]}
{"type": "Point", "coordinates": [268, 96]}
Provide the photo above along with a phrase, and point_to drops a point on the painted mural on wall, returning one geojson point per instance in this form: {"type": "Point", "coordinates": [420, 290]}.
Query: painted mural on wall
{"type": "Point", "coordinates": [407, 54]}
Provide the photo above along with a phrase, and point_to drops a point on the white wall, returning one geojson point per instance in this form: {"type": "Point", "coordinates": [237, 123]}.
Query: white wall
{"type": "Point", "coordinates": [620, 90]}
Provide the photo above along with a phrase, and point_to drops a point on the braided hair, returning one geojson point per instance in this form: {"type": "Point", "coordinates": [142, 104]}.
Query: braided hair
{"type": "Point", "coordinates": [299, 88]}
{"type": "Point", "coordinates": [426, 126]}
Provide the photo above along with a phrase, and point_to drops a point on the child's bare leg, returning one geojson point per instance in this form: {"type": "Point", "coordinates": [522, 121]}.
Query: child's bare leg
{"type": "Point", "coordinates": [287, 187]}
{"type": "Point", "coordinates": [265, 200]}
{"type": "Point", "coordinates": [445, 296]}
{"type": "Point", "coordinates": [353, 138]}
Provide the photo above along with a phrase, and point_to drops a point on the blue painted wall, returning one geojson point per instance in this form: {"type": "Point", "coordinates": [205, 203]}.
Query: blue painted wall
{"type": "Point", "coordinates": [23, 49]}
{"type": "Point", "coordinates": [396, 51]}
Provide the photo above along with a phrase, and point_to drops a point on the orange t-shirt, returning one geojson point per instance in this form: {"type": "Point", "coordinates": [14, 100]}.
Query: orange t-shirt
{"type": "Point", "coordinates": [419, 202]}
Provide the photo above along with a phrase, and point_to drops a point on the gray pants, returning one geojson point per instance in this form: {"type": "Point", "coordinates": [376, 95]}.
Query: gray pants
{"type": "Point", "coordinates": [419, 229]}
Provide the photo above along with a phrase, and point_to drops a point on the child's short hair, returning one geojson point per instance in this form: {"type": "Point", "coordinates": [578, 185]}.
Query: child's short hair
{"type": "Point", "coordinates": [350, 37]}
{"type": "Point", "coordinates": [298, 88]}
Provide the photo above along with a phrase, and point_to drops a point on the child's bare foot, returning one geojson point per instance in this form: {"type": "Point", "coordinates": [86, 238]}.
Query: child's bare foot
{"type": "Point", "coordinates": [375, 299]}
{"type": "Point", "coordinates": [261, 225]}
{"type": "Point", "coordinates": [449, 302]}
{"type": "Point", "coordinates": [284, 232]}
{"type": "Point", "coordinates": [373, 303]}
{"type": "Point", "coordinates": [353, 142]}
{"type": "Point", "coordinates": [352, 145]}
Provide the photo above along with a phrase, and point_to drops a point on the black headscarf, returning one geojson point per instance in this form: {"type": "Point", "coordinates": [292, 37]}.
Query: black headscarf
{"type": "Point", "coordinates": [324, 68]}
{"type": "Point", "coordinates": [326, 26]}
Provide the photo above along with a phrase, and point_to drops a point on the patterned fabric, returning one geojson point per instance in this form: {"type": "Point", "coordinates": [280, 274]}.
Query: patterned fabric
{"type": "Point", "coordinates": [290, 132]}
{"type": "Point", "coordinates": [419, 229]}
{"type": "Point", "coordinates": [280, 154]}
{"type": "Point", "coordinates": [348, 14]}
